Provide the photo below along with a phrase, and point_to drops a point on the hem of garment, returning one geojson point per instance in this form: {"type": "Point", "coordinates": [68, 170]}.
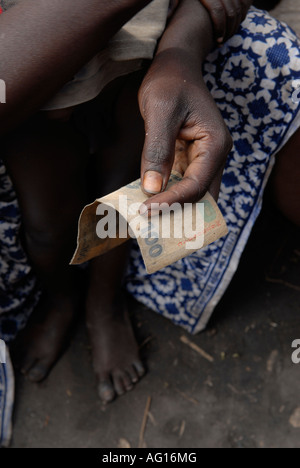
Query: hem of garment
{"type": "Point", "coordinates": [87, 90]}
{"type": "Point", "coordinates": [241, 244]}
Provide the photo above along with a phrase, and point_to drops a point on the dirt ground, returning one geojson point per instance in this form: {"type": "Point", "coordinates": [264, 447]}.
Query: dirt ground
{"type": "Point", "coordinates": [248, 396]}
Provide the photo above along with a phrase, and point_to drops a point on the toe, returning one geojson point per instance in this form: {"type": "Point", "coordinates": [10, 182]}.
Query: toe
{"type": "Point", "coordinates": [38, 372]}
{"type": "Point", "coordinates": [106, 391]}
{"type": "Point", "coordinates": [132, 374]}
{"type": "Point", "coordinates": [140, 368]}
{"type": "Point", "coordinates": [27, 363]}
{"type": "Point", "coordinates": [118, 383]}
{"type": "Point", "coordinates": [127, 383]}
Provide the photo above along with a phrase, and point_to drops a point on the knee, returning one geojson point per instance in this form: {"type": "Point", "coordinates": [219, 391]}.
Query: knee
{"type": "Point", "coordinates": [50, 237]}
{"type": "Point", "coordinates": [59, 115]}
{"type": "Point", "coordinates": [40, 239]}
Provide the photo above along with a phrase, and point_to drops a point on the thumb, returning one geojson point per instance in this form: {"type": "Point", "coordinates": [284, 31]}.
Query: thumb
{"type": "Point", "coordinates": [158, 154]}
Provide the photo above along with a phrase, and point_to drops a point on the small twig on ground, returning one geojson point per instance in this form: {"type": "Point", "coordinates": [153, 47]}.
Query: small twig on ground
{"type": "Point", "coordinates": [272, 361]}
{"type": "Point", "coordinates": [144, 423]}
{"type": "Point", "coordinates": [251, 398]}
{"type": "Point", "coordinates": [146, 341]}
{"type": "Point", "coordinates": [188, 398]}
{"type": "Point", "coordinates": [196, 348]}
{"type": "Point", "coordinates": [152, 419]}
{"type": "Point", "coordinates": [284, 283]}
{"type": "Point", "coordinates": [182, 429]}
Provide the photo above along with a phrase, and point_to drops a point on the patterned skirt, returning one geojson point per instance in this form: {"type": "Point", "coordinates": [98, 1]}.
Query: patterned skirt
{"type": "Point", "coordinates": [253, 79]}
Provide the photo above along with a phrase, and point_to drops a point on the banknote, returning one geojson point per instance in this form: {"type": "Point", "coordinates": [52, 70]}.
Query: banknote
{"type": "Point", "coordinates": [169, 235]}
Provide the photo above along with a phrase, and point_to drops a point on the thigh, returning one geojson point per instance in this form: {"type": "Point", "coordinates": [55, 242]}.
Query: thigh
{"type": "Point", "coordinates": [46, 161]}
{"type": "Point", "coordinates": [119, 155]}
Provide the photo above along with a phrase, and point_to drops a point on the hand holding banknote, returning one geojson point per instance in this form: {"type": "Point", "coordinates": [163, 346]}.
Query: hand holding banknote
{"type": "Point", "coordinates": [163, 239]}
{"type": "Point", "coordinates": [180, 113]}
{"type": "Point", "coordinates": [197, 131]}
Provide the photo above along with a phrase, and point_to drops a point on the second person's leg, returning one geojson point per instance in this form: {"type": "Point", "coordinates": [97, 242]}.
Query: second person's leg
{"type": "Point", "coordinates": [115, 353]}
{"type": "Point", "coordinates": [46, 160]}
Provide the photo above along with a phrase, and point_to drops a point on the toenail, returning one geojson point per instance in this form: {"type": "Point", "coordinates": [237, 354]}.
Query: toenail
{"type": "Point", "coordinates": [140, 369]}
{"type": "Point", "coordinates": [35, 376]}
{"type": "Point", "coordinates": [106, 392]}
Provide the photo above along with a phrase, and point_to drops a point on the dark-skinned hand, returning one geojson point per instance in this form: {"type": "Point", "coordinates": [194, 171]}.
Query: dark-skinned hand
{"type": "Point", "coordinates": [184, 131]}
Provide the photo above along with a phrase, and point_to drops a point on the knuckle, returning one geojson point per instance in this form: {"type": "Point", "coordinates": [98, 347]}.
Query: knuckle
{"type": "Point", "coordinates": [159, 104]}
{"type": "Point", "coordinates": [231, 13]}
{"type": "Point", "coordinates": [217, 10]}
{"type": "Point", "coordinates": [194, 188]}
{"type": "Point", "coordinates": [224, 142]}
{"type": "Point", "coordinates": [157, 154]}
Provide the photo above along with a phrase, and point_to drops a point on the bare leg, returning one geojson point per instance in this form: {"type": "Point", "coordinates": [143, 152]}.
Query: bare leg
{"type": "Point", "coordinates": [46, 162]}
{"type": "Point", "coordinates": [286, 180]}
{"type": "Point", "coordinates": [115, 352]}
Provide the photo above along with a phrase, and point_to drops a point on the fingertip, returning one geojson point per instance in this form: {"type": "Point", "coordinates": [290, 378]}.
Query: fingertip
{"type": "Point", "coordinates": [152, 182]}
{"type": "Point", "coordinates": [149, 209]}
{"type": "Point", "coordinates": [143, 210]}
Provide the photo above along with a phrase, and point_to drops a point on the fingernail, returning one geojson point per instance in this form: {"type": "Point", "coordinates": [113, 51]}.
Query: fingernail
{"type": "Point", "coordinates": [143, 209]}
{"type": "Point", "coordinates": [153, 182]}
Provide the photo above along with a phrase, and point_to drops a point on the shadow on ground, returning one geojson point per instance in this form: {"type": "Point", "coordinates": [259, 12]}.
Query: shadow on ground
{"type": "Point", "coordinates": [247, 397]}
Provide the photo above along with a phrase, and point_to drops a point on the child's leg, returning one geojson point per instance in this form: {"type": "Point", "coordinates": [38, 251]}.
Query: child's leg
{"type": "Point", "coordinates": [115, 352]}
{"type": "Point", "coordinates": [286, 179]}
{"type": "Point", "coordinates": [46, 161]}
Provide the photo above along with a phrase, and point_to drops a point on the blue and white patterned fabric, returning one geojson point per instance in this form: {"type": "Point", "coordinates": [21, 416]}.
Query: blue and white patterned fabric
{"type": "Point", "coordinates": [18, 292]}
{"type": "Point", "coordinates": [252, 78]}
{"type": "Point", "coordinates": [18, 295]}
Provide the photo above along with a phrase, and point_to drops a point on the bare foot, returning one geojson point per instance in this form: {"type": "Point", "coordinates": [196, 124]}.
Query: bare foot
{"type": "Point", "coordinates": [45, 337]}
{"type": "Point", "coordinates": [115, 353]}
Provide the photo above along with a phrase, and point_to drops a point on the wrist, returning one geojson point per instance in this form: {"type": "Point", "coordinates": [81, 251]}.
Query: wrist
{"type": "Point", "coordinates": [178, 63]}
{"type": "Point", "coordinates": [190, 31]}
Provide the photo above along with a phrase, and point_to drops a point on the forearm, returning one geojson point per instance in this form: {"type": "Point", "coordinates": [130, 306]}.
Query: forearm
{"type": "Point", "coordinates": [45, 42]}
{"type": "Point", "coordinates": [182, 121]}
{"type": "Point", "coordinates": [189, 35]}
